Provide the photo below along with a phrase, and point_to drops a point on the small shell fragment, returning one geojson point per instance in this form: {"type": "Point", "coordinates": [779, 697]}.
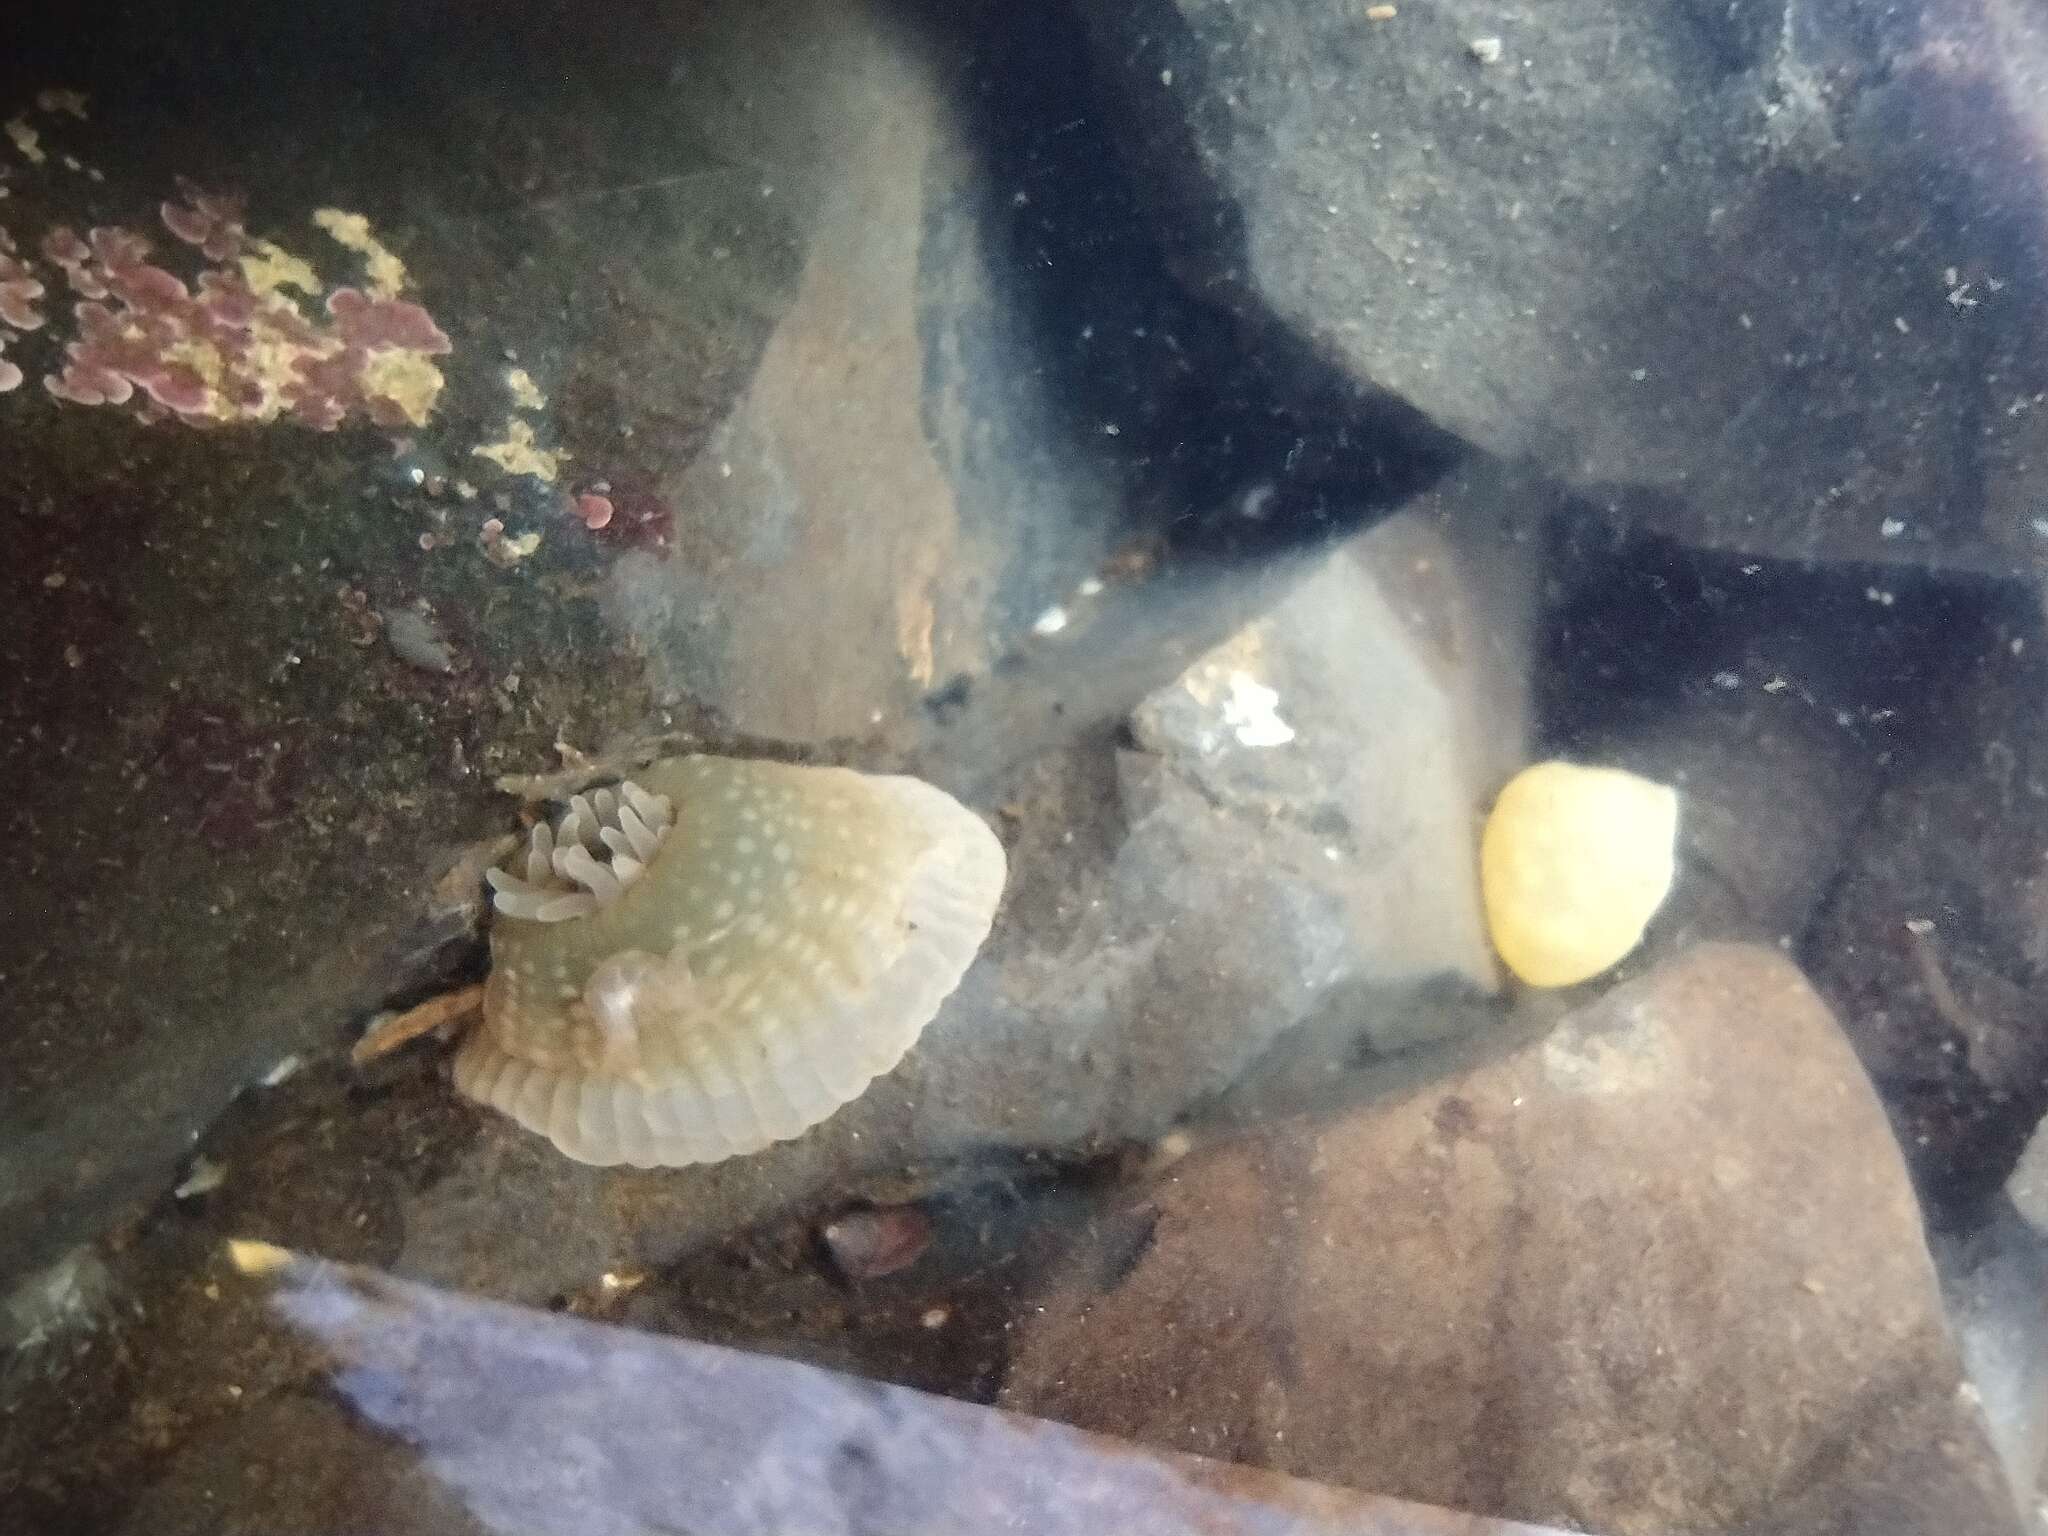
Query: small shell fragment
{"type": "Point", "coordinates": [204, 1177]}
{"type": "Point", "coordinates": [868, 1244]}
{"type": "Point", "coordinates": [388, 1031]}
{"type": "Point", "coordinates": [1573, 864]}
{"type": "Point", "coordinates": [718, 954]}
{"type": "Point", "coordinates": [251, 1256]}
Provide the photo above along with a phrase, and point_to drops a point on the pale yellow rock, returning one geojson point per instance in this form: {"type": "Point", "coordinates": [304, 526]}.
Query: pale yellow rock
{"type": "Point", "coordinates": [1573, 864]}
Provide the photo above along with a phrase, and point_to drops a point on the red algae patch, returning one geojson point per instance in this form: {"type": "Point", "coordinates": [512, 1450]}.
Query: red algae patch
{"type": "Point", "coordinates": [225, 328]}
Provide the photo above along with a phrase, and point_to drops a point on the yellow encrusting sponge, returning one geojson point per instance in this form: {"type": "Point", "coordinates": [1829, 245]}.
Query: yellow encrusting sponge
{"type": "Point", "coordinates": [1573, 864]}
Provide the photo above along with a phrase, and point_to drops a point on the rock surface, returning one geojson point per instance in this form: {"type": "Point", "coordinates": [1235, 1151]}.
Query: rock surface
{"type": "Point", "coordinates": [501, 1419]}
{"type": "Point", "coordinates": [2027, 1186]}
{"type": "Point", "coordinates": [1862, 781]}
{"type": "Point", "coordinates": [1659, 1269]}
{"type": "Point", "coordinates": [1779, 698]}
{"type": "Point", "coordinates": [1349, 739]}
{"type": "Point", "coordinates": [1756, 274]}
{"type": "Point", "coordinates": [1995, 1283]}
{"type": "Point", "coordinates": [816, 378]}
{"type": "Point", "coordinates": [1174, 911]}
{"type": "Point", "coordinates": [1933, 944]}
{"type": "Point", "coordinates": [793, 358]}
{"type": "Point", "coordinates": [1748, 687]}
{"type": "Point", "coordinates": [300, 1464]}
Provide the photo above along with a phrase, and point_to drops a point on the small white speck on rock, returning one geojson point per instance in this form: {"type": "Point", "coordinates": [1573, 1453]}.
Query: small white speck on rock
{"type": "Point", "coordinates": [283, 1070]}
{"type": "Point", "coordinates": [204, 1176]}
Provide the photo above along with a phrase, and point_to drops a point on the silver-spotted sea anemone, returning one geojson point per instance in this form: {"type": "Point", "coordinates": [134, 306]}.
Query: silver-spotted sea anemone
{"type": "Point", "coordinates": [721, 953]}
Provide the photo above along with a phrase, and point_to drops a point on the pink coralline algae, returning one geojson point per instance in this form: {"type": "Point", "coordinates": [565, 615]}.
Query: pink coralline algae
{"type": "Point", "coordinates": [19, 291]}
{"type": "Point", "coordinates": [18, 294]}
{"type": "Point", "coordinates": [63, 247]}
{"type": "Point", "coordinates": [632, 516]}
{"type": "Point", "coordinates": [212, 223]}
{"type": "Point", "coordinates": [248, 339]}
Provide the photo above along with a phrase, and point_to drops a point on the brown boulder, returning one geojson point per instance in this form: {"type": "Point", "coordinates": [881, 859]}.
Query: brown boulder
{"type": "Point", "coordinates": [1661, 1269]}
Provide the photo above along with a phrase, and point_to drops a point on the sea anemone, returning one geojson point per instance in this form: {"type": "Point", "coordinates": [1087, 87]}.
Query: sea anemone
{"type": "Point", "coordinates": [721, 954]}
{"type": "Point", "coordinates": [1574, 863]}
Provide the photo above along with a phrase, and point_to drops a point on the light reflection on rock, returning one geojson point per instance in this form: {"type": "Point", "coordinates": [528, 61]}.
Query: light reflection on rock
{"type": "Point", "coordinates": [548, 1425]}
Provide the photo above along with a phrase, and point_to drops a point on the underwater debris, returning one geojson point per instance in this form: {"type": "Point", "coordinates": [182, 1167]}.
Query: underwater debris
{"type": "Point", "coordinates": [204, 1177]}
{"type": "Point", "coordinates": [722, 954]}
{"type": "Point", "coordinates": [867, 1244]}
{"type": "Point", "coordinates": [251, 1256]}
{"type": "Point", "coordinates": [387, 1032]}
{"type": "Point", "coordinates": [1050, 622]}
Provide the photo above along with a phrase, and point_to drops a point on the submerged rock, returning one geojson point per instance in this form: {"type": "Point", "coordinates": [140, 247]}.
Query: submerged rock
{"type": "Point", "coordinates": [773, 304]}
{"type": "Point", "coordinates": [1995, 1283]}
{"type": "Point", "coordinates": [1753, 274]}
{"type": "Point", "coordinates": [1175, 913]}
{"type": "Point", "coordinates": [1933, 943]}
{"type": "Point", "coordinates": [1659, 1270]}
